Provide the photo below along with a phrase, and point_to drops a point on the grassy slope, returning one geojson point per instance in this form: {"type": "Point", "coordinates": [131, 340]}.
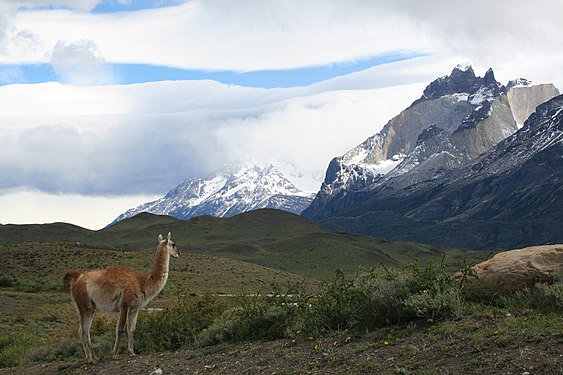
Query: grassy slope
{"type": "Point", "coordinates": [38, 267]}
{"type": "Point", "coordinates": [32, 306]}
{"type": "Point", "coordinates": [271, 238]}
{"type": "Point", "coordinates": [32, 300]}
{"type": "Point", "coordinates": [483, 341]}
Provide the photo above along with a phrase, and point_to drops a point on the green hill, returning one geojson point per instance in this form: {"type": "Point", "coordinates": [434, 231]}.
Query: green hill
{"type": "Point", "coordinates": [15, 233]}
{"type": "Point", "coordinates": [271, 238]}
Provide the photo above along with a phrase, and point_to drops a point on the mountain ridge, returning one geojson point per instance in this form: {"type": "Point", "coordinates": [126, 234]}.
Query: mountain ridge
{"type": "Point", "coordinates": [232, 191]}
{"type": "Point", "coordinates": [457, 119]}
{"type": "Point", "coordinates": [508, 197]}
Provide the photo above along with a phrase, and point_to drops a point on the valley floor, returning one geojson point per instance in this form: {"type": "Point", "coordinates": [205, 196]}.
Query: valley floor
{"type": "Point", "coordinates": [484, 341]}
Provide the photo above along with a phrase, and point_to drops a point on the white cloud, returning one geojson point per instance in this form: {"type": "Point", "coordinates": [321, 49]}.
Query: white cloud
{"type": "Point", "coordinates": [218, 35]}
{"type": "Point", "coordinates": [146, 138]}
{"type": "Point", "coordinates": [80, 63]}
{"type": "Point", "coordinates": [258, 35]}
{"type": "Point", "coordinates": [78, 5]}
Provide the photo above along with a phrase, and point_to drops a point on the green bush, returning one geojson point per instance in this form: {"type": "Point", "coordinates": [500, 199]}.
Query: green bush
{"type": "Point", "coordinates": [432, 305]}
{"type": "Point", "coordinates": [237, 324]}
{"type": "Point", "coordinates": [383, 297]}
{"type": "Point", "coordinates": [178, 324]}
{"type": "Point", "coordinates": [6, 282]}
{"type": "Point", "coordinates": [339, 305]}
{"type": "Point", "coordinates": [435, 294]}
{"type": "Point", "coordinates": [254, 318]}
{"type": "Point", "coordinates": [365, 301]}
{"type": "Point", "coordinates": [70, 348]}
{"type": "Point", "coordinates": [544, 297]}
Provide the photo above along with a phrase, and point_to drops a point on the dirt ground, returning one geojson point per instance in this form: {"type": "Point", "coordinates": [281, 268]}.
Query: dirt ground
{"type": "Point", "coordinates": [426, 350]}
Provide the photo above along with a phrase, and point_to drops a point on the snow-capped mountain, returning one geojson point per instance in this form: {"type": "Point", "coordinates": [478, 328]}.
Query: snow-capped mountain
{"type": "Point", "coordinates": [229, 193]}
{"type": "Point", "coordinates": [457, 118]}
{"type": "Point", "coordinates": [511, 196]}
{"type": "Point", "coordinates": [464, 171]}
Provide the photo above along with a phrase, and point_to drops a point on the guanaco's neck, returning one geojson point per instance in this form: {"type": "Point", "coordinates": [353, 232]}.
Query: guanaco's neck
{"type": "Point", "coordinates": [159, 273]}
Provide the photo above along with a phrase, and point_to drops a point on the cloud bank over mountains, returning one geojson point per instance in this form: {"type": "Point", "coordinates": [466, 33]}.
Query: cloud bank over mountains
{"type": "Point", "coordinates": [144, 138]}
{"type": "Point", "coordinates": [88, 135]}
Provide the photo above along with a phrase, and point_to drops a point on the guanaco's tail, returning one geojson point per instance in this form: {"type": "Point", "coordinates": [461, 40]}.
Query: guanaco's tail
{"type": "Point", "coordinates": [69, 277]}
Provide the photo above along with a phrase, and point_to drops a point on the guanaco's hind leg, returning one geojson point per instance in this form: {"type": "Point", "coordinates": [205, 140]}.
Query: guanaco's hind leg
{"type": "Point", "coordinates": [119, 329]}
{"type": "Point", "coordinates": [84, 333]}
{"type": "Point", "coordinates": [131, 324]}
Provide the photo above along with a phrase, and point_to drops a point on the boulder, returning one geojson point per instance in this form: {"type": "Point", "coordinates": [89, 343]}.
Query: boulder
{"type": "Point", "coordinates": [515, 269]}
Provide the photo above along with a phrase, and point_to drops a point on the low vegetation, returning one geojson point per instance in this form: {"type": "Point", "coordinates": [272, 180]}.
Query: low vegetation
{"type": "Point", "coordinates": [404, 310]}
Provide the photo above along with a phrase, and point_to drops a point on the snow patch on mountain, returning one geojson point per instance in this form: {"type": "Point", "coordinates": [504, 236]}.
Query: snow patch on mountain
{"type": "Point", "coordinates": [230, 192]}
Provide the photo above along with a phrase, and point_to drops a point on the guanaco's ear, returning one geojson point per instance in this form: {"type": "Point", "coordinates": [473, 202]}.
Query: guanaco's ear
{"type": "Point", "coordinates": [168, 236]}
{"type": "Point", "coordinates": [159, 238]}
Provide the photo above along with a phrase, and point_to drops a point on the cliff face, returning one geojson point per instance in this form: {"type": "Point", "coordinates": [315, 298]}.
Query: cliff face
{"type": "Point", "coordinates": [523, 97]}
{"type": "Point", "coordinates": [476, 136]}
{"type": "Point", "coordinates": [399, 136]}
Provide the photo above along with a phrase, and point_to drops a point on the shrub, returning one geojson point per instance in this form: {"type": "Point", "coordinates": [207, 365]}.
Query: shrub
{"type": "Point", "coordinates": [432, 305]}
{"type": "Point", "coordinates": [254, 318]}
{"type": "Point", "coordinates": [383, 297]}
{"type": "Point", "coordinates": [542, 297]}
{"type": "Point", "coordinates": [435, 293]}
{"type": "Point", "coordinates": [366, 301]}
{"type": "Point", "coordinates": [178, 324]}
{"type": "Point", "coordinates": [69, 348]}
{"type": "Point", "coordinates": [340, 304]}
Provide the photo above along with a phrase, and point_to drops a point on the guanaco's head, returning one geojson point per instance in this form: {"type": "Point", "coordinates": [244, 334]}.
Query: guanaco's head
{"type": "Point", "coordinates": [170, 245]}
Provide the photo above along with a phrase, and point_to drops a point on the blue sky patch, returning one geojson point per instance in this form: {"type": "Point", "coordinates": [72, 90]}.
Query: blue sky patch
{"type": "Point", "coordinates": [140, 73]}
{"type": "Point", "coordinates": [112, 6]}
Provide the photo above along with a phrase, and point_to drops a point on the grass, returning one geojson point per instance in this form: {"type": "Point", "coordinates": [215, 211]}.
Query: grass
{"type": "Point", "coordinates": [389, 320]}
{"type": "Point", "coordinates": [410, 320]}
{"type": "Point", "coordinates": [270, 238]}
{"type": "Point", "coordinates": [483, 339]}
{"type": "Point", "coordinates": [32, 300]}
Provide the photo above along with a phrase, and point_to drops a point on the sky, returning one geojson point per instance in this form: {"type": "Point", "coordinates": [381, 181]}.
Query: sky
{"type": "Point", "coordinates": [107, 104]}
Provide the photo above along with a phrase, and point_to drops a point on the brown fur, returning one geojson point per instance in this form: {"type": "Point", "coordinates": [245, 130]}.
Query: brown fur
{"type": "Point", "coordinates": [117, 289]}
{"type": "Point", "coordinates": [68, 278]}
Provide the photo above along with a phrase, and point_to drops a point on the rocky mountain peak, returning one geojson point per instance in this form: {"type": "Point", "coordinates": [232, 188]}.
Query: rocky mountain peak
{"type": "Point", "coordinates": [233, 190]}
{"type": "Point", "coordinates": [458, 118]}
{"type": "Point", "coordinates": [489, 78]}
{"type": "Point", "coordinates": [462, 79]}
{"type": "Point", "coordinates": [507, 196]}
{"type": "Point", "coordinates": [459, 81]}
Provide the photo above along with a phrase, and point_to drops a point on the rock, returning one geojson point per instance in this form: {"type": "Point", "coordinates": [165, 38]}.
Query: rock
{"type": "Point", "coordinates": [515, 269]}
{"type": "Point", "coordinates": [523, 99]}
